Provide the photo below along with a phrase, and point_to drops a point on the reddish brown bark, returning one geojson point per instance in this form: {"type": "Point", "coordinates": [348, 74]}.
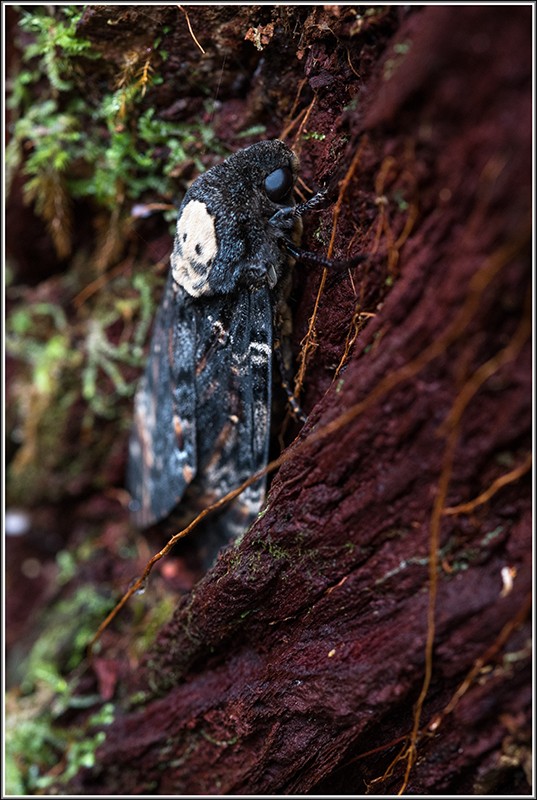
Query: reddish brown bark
{"type": "Point", "coordinates": [295, 664]}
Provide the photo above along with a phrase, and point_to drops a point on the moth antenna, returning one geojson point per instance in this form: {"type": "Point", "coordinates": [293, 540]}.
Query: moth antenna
{"type": "Point", "coordinates": [294, 212]}
{"type": "Point", "coordinates": [306, 257]}
{"type": "Point", "coordinates": [317, 201]}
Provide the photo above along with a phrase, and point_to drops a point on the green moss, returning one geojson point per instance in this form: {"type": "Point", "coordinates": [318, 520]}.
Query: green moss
{"type": "Point", "coordinates": [219, 742]}
{"type": "Point", "coordinates": [68, 374]}
{"type": "Point", "coordinates": [149, 620]}
{"type": "Point", "coordinates": [253, 130]}
{"type": "Point", "coordinates": [391, 65]}
{"type": "Point", "coordinates": [352, 105]}
{"type": "Point", "coordinates": [40, 751]}
{"type": "Point", "coordinates": [139, 698]}
{"type": "Point", "coordinates": [67, 566]}
{"type": "Point", "coordinates": [68, 628]}
{"type": "Point", "coordinates": [275, 551]}
{"type": "Point", "coordinates": [460, 558]}
{"type": "Point", "coordinates": [490, 536]}
{"type": "Point", "coordinates": [318, 137]}
{"type": "Point", "coordinates": [56, 41]}
{"type": "Point", "coordinates": [77, 141]}
{"type": "Point", "coordinates": [400, 200]}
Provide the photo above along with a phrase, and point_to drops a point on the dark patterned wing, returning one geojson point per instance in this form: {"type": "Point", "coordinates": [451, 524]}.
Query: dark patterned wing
{"type": "Point", "coordinates": [162, 448]}
{"type": "Point", "coordinates": [234, 385]}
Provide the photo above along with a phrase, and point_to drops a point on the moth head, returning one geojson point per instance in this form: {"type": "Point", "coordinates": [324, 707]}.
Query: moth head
{"type": "Point", "coordinates": [226, 238]}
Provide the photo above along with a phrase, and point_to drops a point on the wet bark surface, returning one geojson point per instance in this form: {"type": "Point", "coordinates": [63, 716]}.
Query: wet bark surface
{"type": "Point", "coordinates": [401, 515]}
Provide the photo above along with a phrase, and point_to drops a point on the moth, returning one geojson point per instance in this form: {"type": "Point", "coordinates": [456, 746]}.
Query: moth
{"type": "Point", "coordinates": [202, 408]}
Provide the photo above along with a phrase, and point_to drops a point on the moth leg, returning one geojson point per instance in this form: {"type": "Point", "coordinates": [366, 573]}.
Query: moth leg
{"type": "Point", "coordinates": [282, 352]}
{"type": "Point", "coordinates": [285, 380]}
{"type": "Point", "coordinates": [305, 257]}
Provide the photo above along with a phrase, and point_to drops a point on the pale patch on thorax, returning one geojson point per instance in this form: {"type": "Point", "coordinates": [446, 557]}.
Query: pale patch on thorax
{"type": "Point", "coordinates": [195, 248]}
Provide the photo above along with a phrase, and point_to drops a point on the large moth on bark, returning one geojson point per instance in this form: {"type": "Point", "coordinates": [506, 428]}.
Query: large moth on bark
{"type": "Point", "coordinates": [202, 408]}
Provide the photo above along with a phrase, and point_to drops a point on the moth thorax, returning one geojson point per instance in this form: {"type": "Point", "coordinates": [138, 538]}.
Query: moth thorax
{"type": "Point", "coordinates": [195, 248]}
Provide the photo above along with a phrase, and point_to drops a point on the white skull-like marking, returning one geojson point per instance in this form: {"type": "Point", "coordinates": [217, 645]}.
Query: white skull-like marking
{"type": "Point", "coordinates": [195, 248]}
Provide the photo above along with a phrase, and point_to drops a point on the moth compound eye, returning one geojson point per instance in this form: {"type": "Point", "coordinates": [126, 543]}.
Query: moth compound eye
{"type": "Point", "coordinates": [278, 184]}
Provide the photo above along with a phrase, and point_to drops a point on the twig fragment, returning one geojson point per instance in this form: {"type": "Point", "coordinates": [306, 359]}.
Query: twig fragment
{"type": "Point", "coordinates": [495, 486]}
{"type": "Point", "coordinates": [190, 29]}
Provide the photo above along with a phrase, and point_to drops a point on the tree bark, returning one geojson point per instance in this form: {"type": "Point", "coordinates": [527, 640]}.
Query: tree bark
{"type": "Point", "coordinates": [402, 514]}
{"type": "Point", "coordinates": [370, 632]}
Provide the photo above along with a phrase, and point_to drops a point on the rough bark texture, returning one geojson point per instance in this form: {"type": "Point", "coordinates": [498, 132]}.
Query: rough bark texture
{"type": "Point", "coordinates": [295, 664]}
